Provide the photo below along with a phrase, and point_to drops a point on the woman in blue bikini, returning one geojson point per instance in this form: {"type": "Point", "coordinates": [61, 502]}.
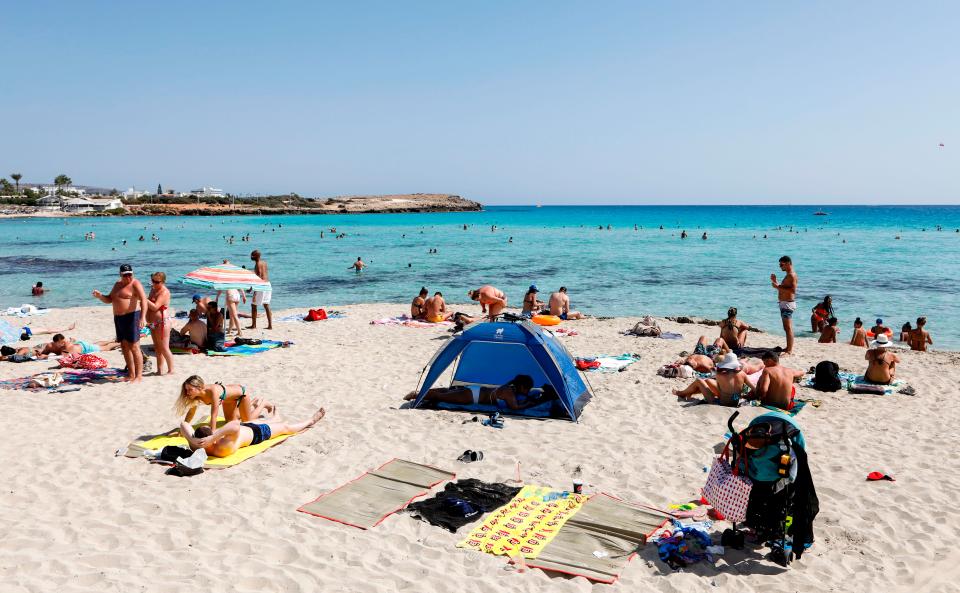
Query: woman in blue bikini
{"type": "Point", "coordinates": [232, 401]}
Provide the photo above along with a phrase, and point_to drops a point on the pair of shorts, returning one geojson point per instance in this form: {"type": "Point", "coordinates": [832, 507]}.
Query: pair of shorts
{"type": "Point", "coordinates": [262, 298]}
{"type": "Point", "coordinates": [435, 319]}
{"type": "Point", "coordinates": [261, 432]}
{"type": "Point", "coordinates": [215, 341]}
{"type": "Point", "coordinates": [563, 316]}
{"type": "Point", "coordinates": [87, 347]}
{"type": "Point", "coordinates": [706, 349]}
{"type": "Point", "coordinates": [127, 327]}
{"type": "Point", "coordinates": [787, 308]}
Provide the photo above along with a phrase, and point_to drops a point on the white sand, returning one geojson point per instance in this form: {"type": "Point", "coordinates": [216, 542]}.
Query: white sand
{"type": "Point", "coordinates": [76, 518]}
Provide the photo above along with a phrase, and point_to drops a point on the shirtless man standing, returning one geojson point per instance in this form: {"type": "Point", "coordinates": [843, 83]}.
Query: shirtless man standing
{"type": "Point", "coordinates": [560, 305]}
{"type": "Point", "coordinates": [435, 309]}
{"type": "Point", "coordinates": [233, 435]}
{"type": "Point", "coordinates": [775, 387]}
{"type": "Point", "coordinates": [881, 364]}
{"type": "Point", "coordinates": [416, 307]}
{"type": "Point", "coordinates": [491, 297]}
{"type": "Point", "coordinates": [786, 295]}
{"type": "Point", "coordinates": [260, 297]}
{"type": "Point", "coordinates": [919, 338]}
{"type": "Point", "coordinates": [129, 301]}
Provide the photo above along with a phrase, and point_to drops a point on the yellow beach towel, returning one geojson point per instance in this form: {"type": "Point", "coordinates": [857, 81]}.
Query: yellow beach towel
{"type": "Point", "coordinates": [526, 524]}
{"type": "Point", "coordinates": [174, 439]}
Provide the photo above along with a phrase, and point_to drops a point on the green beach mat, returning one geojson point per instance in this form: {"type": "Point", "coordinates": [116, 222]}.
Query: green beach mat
{"type": "Point", "coordinates": [366, 501]}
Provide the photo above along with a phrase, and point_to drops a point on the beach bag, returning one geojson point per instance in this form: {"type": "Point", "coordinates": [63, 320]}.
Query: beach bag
{"type": "Point", "coordinates": [726, 490]}
{"type": "Point", "coordinates": [826, 376]}
{"type": "Point", "coordinates": [585, 364]}
{"type": "Point", "coordinates": [316, 315]}
{"type": "Point", "coordinates": [646, 327]}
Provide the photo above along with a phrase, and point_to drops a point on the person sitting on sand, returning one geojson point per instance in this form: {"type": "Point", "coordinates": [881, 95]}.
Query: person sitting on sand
{"type": "Point", "coordinates": [38, 289]}
{"type": "Point", "coordinates": [828, 332]}
{"type": "Point", "coordinates": [730, 386]}
{"type": "Point", "coordinates": [416, 307]}
{"type": "Point", "coordinates": [560, 305]}
{"type": "Point", "coordinates": [733, 331]}
{"type": "Point", "coordinates": [489, 296]}
{"type": "Point", "coordinates": [531, 305]}
{"type": "Point", "coordinates": [232, 401]}
{"type": "Point", "coordinates": [194, 332]}
{"type": "Point", "coordinates": [776, 385]}
{"type": "Point", "coordinates": [881, 364]}
{"type": "Point", "coordinates": [905, 330]}
{"type": "Point", "coordinates": [515, 395]}
{"type": "Point", "coordinates": [215, 335]}
{"type": "Point", "coordinates": [235, 435]}
{"type": "Point", "coordinates": [879, 328]}
{"type": "Point", "coordinates": [919, 338]}
{"type": "Point", "coordinates": [435, 309]}
{"type": "Point", "coordinates": [822, 312]}
{"type": "Point", "coordinates": [859, 334]}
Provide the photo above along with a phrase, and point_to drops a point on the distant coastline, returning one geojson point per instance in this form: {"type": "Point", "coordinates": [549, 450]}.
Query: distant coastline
{"type": "Point", "coordinates": [381, 204]}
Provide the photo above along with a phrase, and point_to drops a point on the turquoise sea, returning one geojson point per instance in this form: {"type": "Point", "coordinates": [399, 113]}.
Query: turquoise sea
{"type": "Point", "coordinates": [852, 254]}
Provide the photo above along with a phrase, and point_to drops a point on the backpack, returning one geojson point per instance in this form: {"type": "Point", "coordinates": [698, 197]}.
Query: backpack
{"type": "Point", "coordinates": [826, 376]}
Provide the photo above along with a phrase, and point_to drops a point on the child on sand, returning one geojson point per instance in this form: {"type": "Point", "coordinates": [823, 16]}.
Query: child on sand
{"type": "Point", "coordinates": [234, 400]}
{"type": "Point", "coordinates": [859, 334]}
{"type": "Point", "coordinates": [828, 333]}
{"type": "Point", "coordinates": [919, 338]}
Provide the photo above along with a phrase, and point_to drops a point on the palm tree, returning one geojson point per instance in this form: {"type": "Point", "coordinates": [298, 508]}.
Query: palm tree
{"type": "Point", "coordinates": [62, 181]}
{"type": "Point", "coordinates": [16, 177]}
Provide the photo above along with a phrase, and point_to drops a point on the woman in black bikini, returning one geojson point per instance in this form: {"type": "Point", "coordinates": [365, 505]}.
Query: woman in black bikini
{"type": "Point", "coordinates": [233, 400]}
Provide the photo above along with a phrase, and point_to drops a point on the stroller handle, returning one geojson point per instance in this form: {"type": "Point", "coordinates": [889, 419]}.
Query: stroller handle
{"type": "Point", "coordinates": [730, 423]}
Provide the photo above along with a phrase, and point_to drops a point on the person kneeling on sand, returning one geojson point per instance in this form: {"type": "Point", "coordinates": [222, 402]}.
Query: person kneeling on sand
{"type": "Point", "coordinates": [730, 386]}
{"type": "Point", "coordinates": [435, 309]}
{"type": "Point", "coordinates": [233, 400]}
{"type": "Point", "coordinates": [234, 435]}
{"type": "Point", "coordinates": [775, 387]}
{"type": "Point", "coordinates": [881, 364]}
{"type": "Point", "coordinates": [828, 332]}
{"type": "Point", "coordinates": [193, 334]}
{"type": "Point", "coordinates": [515, 395]}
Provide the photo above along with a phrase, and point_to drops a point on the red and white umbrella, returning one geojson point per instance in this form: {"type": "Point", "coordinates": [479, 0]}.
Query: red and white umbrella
{"type": "Point", "coordinates": [225, 277]}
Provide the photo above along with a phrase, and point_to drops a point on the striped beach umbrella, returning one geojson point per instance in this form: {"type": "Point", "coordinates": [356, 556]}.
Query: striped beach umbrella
{"type": "Point", "coordinates": [225, 277]}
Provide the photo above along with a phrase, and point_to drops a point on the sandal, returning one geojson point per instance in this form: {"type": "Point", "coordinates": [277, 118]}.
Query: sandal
{"type": "Point", "coordinates": [470, 456]}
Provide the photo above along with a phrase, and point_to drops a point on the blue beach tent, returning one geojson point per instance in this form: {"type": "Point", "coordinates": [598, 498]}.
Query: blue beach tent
{"type": "Point", "coordinates": [491, 354]}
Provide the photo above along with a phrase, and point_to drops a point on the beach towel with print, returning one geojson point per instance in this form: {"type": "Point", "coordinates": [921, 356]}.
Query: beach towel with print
{"type": "Point", "coordinates": [608, 363]}
{"type": "Point", "coordinates": [366, 501]}
{"type": "Point", "coordinates": [407, 321]}
{"type": "Point", "coordinates": [248, 349]}
{"type": "Point", "coordinates": [526, 524]}
{"type": "Point", "coordinates": [173, 438]}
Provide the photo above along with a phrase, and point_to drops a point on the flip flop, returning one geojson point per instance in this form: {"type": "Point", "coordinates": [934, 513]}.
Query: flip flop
{"type": "Point", "coordinates": [877, 476]}
{"type": "Point", "coordinates": [470, 456]}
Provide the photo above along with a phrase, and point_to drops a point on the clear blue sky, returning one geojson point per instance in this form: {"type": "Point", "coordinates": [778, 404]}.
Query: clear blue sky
{"type": "Point", "coordinates": [504, 102]}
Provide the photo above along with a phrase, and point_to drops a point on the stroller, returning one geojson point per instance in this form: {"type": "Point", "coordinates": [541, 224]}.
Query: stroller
{"type": "Point", "coordinates": [783, 501]}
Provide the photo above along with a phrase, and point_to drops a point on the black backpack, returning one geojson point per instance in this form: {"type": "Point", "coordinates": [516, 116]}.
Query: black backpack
{"type": "Point", "coordinates": [826, 376]}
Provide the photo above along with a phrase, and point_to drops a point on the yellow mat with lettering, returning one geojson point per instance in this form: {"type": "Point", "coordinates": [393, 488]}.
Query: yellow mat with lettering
{"type": "Point", "coordinates": [174, 439]}
{"type": "Point", "coordinates": [526, 524]}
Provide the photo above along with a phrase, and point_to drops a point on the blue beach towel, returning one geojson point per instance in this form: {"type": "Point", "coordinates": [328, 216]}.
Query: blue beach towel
{"type": "Point", "coordinates": [249, 349]}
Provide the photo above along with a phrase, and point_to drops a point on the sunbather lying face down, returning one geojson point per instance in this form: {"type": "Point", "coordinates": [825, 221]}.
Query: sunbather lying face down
{"type": "Point", "coordinates": [514, 395]}
{"type": "Point", "coordinates": [235, 401]}
{"type": "Point", "coordinates": [234, 435]}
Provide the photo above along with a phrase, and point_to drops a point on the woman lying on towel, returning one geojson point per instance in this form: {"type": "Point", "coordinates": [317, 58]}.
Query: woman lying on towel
{"type": "Point", "coordinates": [233, 400]}
{"type": "Point", "coordinates": [515, 395]}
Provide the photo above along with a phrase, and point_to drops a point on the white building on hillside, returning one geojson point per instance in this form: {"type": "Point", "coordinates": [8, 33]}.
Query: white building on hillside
{"type": "Point", "coordinates": [205, 192]}
{"type": "Point", "coordinates": [67, 190]}
{"type": "Point", "coordinates": [135, 193]}
{"type": "Point", "coordinates": [91, 205]}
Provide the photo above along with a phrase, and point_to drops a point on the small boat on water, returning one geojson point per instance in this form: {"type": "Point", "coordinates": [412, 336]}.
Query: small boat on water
{"type": "Point", "coordinates": [821, 213]}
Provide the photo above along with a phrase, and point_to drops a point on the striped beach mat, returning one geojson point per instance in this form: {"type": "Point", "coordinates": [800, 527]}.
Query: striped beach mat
{"type": "Point", "coordinates": [366, 501]}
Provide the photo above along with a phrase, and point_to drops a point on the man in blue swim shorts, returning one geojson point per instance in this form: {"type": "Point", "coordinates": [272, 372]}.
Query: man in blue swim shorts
{"type": "Point", "coordinates": [129, 300]}
{"type": "Point", "coordinates": [786, 295]}
{"type": "Point", "coordinates": [234, 435]}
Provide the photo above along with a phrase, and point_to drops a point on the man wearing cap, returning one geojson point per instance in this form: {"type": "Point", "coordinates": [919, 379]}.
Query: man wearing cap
{"type": "Point", "coordinates": [786, 297]}
{"type": "Point", "coordinates": [730, 386]}
{"type": "Point", "coordinates": [200, 304]}
{"type": "Point", "coordinates": [129, 301]}
{"type": "Point", "coordinates": [531, 306]}
{"type": "Point", "coordinates": [881, 364]}
{"type": "Point", "coordinates": [880, 328]}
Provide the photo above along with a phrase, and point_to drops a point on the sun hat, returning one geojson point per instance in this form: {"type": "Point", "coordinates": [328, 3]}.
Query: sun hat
{"type": "Point", "coordinates": [729, 362]}
{"type": "Point", "coordinates": [882, 341]}
{"type": "Point", "coordinates": [126, 269]}
{"type": "Point", "coordinates": [533, 288]}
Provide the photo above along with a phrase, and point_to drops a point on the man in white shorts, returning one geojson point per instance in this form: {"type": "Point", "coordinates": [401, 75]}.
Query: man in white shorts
{"type": "Point", "coordinates": [260, 298]}
{"type": "Point", "coordinates": [786, 297]}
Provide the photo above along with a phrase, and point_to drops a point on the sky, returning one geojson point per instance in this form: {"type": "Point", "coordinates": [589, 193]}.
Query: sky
{"type": "Point", "coordinates": [502, 102]}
